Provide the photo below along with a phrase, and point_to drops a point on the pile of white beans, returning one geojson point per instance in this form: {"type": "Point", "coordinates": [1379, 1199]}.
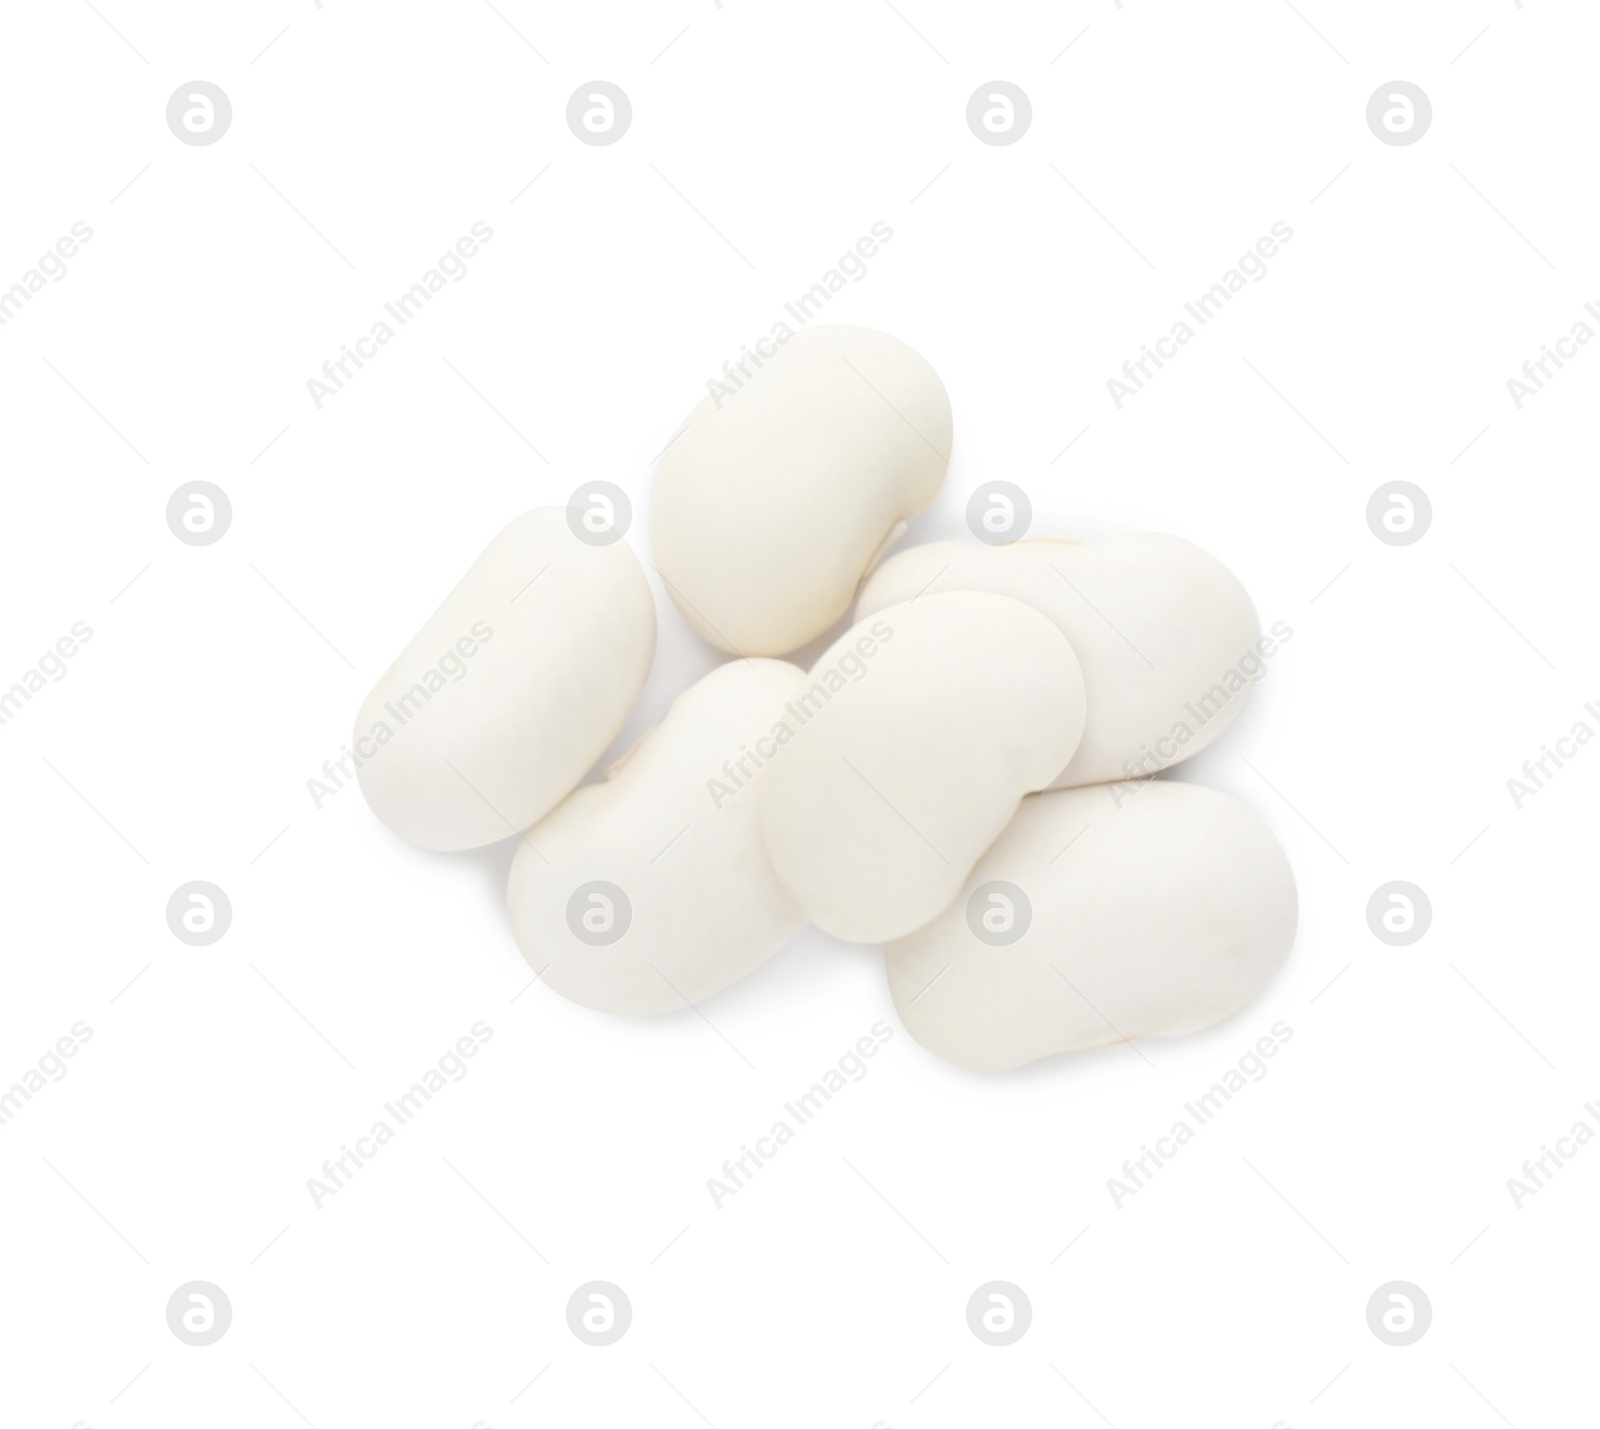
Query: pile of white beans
{"type": "Point", "coordinates": [950, 779]}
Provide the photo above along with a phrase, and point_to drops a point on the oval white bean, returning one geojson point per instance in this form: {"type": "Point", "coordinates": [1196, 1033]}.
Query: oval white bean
{"type": "Point", "coordinates": [653, 890]}
{"type": "Point", "coordinates": [918, 733]}
{"type": "Point", "coordinates": [511, 690]}
{"type": "Point", "coordinates": [1167, 637]}
{"type": "Point", "coordinates": [777, 497]}
{"type": "Point", "coordinates": [1098, 916]}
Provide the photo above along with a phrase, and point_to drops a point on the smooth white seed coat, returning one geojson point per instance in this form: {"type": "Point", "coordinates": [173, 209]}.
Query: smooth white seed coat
{"type": "Point", "coordinates": [1152, 909]}
{"type": "Point", "coordinates": [676, 828]}
{"type": "Point", "coordinates": [486, 733]}
{"type": "Point", "coordinates": [925, 725]}
{"type": "Point", "coordinates": [774, 501]}
{"type": "Point", "coordinates": [1167, 637]}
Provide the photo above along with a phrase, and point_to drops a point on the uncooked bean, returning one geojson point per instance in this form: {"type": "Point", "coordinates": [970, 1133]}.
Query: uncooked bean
{"type": "Point", "coordinates": [1100, 915]}
{"type": "Point", "coordinates": [1166, 635]}
{"type": "Point", "coordinates": [511, 690]}
{"type": "Point", "coordinates": [777, 497]}
{"type": "Point", "coordinates": [652, 891]}
{"type": "Point", "coordinates": [919, 731]}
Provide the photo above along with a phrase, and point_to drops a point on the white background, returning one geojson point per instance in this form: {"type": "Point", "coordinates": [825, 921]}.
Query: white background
{"type": "Point", "coordinates": [1165, 141]}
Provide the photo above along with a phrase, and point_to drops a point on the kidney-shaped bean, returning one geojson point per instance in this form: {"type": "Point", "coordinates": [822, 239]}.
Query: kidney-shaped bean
{"type": "Point", "coordinates": [1166, 635]}
{"type": "Point", "coordinates": [917, 734]}
{"type": "Point", "coordinates": [1100, 915]}
{"type": "Point", "coordinates": [652, 891]}
{"type": "Point", "coordinates": [778, 495]}
{"type": "Point", "coordinates": [511, 690]}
